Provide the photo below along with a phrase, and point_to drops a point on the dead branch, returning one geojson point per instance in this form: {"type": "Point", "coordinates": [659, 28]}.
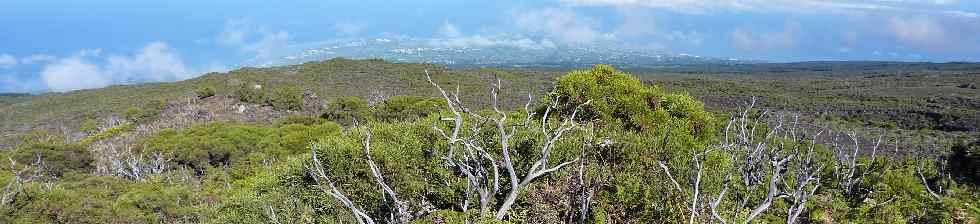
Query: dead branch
{"type": "Point", "coordinates": [319, 175]}
{"type": "Point", "coordinates": [403, 215]}
{"type": "Point", "coordinates": [481, 168]}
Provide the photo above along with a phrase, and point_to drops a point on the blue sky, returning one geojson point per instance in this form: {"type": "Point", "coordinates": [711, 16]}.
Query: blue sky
{"type": "Point", "coordinates": [67, 45]}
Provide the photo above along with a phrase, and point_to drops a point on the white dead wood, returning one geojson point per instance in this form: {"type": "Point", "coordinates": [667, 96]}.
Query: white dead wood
{"type": "Point", "coordinates": [320, 175]}
{"type": "Point", "coordinates": [481, 167]}
{"type": "Point", "coordinates": [846, 167]}
{"type": "Point", "coordinates": [403, 215]}
{"type": "Point", "coordinates": [762, 162]}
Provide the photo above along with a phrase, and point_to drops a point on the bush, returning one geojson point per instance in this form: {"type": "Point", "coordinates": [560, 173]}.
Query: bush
{"type": "Point", "coordinates": [89, 126]}
{"type": "Point", "coordinates": [86, 198]}
{"type": "Point", "coordinates": [286, 98]}
{"type": "Point", "coordinates": [56, 159]}
{"type": "Point", "coordinates": [347, 110]}
{"type": "Point", "coordinates": [205, 92]}
{"type": "Point", "coordinates": [622, 100]}
{"type": "Point", "coordinates": [301, 120]}
{"type": "Point", "coordinates": [240, 147]}
{"type": "Point", "coordinates": [148, 112]}
{"type": "Point", "coordinates": [965, 163]}
{"type": "Point", "coordinates": [280, 98]}
{"type": "Point", "coordinates": [107, 133]}
{"type": "Point", "coordinates": [249, 94]}
{"type": "Point", "coordinates": [407, 108]}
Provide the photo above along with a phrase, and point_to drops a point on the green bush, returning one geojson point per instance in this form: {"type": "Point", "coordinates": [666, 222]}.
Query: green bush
{"type": "Point", "coordinates": [280, 98]}
{"type": "Point", "coordinates": [623, 100]}
{"type": "Point", "coordinates": [107, 133]}
{"type": "Point", "coordinates": [347, 110]}
{"type": "Point", "coordinates": [89, 126]}
{"type": "Point", "coordinates": [204, 92]}
{"type": "Point", "coordinates": [965, 163]}
{"type": "Point", "coordinates": [85, 198]}
{"type": "Point", "coordinates": [249, 94]}
{"type": "Point", "coordinates": [56, 159]}
{"type": "Point", "coordinates": [241, 147]}
{"type": "Point", "coordinates": [407, 108]}
{"type": "Point", "coordinates": [302, 120]}
{"type": "Point", "coordinates": [286, 98]}
{"type": "Point", "coordinates": [150, 111]}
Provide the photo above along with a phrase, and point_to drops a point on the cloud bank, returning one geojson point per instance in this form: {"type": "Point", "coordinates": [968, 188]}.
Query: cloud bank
{"type": "Point", "coordinates": [7, 61]}
{"type": "Point", "coordinates": [155, 62]}
{"type": "Point", "coordinates": [257, 41]}
{"type": "Point", "coordinates": [563, 25]}
{"type": "Point", "coordinates": [786, 39]}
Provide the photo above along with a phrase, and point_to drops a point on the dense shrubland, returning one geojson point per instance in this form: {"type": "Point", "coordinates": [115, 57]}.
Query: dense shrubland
{"type": "Point", "coordinates": [601, 147]}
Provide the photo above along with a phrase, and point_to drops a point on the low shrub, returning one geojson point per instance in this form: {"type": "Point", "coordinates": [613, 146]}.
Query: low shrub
{"type": "Point", "coordinates": [347, 110]}
{"type": "Point", "coordinates": [204, 92]}
{"type": "Point", "coordinates": [407, 108]}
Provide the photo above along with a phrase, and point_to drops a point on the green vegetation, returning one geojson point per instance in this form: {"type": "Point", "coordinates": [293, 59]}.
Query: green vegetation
{"type": "Point", "coordinates": [347, 110]}
{"type": "Point", "coordinates": [603, 146]}
{"type": "Point", "coordinates": [205, 92]}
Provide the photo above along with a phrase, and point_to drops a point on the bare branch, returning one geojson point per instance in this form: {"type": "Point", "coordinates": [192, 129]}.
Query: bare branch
{"type": "Point", "coordinates": [318, 174]}
{"type": "Point", "coordinates": [404, 216]}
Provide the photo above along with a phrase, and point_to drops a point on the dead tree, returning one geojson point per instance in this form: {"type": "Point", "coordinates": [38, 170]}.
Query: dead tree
{"type": "Point", "coordinates": [924, 156]}
{"type": "Point", "coordinates": [128, 164]}
{"type": "Point", "coordinates": [402, 215]}
{"type": "Point", "coordinates": [319, 175]}
{"type": "Point", "coordinates": [806, 171]}
{"type": "Point", "coordinates": [477, 164]}
{"type": "Point", "coordinates": [20, 176]}
{"type": "Point", "coordinates": [761, 164]}
{"type": "Point", "coordinates": [846, 167]}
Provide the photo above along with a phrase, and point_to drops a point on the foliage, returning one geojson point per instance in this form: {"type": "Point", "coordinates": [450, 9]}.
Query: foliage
{"type": "Point", "coordinates": [150, 111]}
{"type": "Point", "coordinates": [283, 98]}
{"type": "Point", "coordinates": [205, 92]}
{"type": "Point", "coordinates": [301, 120]}
{"type": "Point", "coordinates": [251, 94]}
{"type": "Point", "coordinates": [240, 147]}
{"type": "Point", "coordinates": [52, 159]}
{"type": "Point", "coordinates": [623, 100]}
{"type": "Point", "coordinates": [965, 163]}
{"type": "Point", "coordinates": [347, 110]}
{"type": "Point", "coordinates": [107, 133]}
{"type": "Point", "coordinates": [259, 172]}
{"type": "Point", "coordinates": [286, 98]}
{"type": "Point", "coordinates": [89, 126]}
{"type": "Point", "coordinates": [407, 108]}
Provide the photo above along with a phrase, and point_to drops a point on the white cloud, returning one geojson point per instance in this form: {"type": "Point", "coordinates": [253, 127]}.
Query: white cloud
{"type": "Point", "coordinates": [72, 74]}
{"type": "Point", "coordinates": [267, 47]}
{"type": "Point", "coordinates": [86, 69]}
{"type": "Point", "coordinates": [919, 31]}
{"type": "Point", "coordinates": [155, 62]}
{"type": "Point", "coordinates": [962, 14]}
{"type": "Point", "coordinates": [774, 6]}
{"type": "Point", "coordinates": [264, 45]}
{"type": "Point", "coordinates": [449, 30]}
{"type": "Point", "coordinates": [7, 61]}
{"type": "Point", "coordinates": [234, 32]}
{"type": "Point", "coordinates": [636, 22]}
{"type": "Point", "coordinates": [744, 40]}
{"type": "Point", "coordinates": [37, 58]}
{"type": "Point", "coordinates": [347, 27]}
{"type": "Point", "coordinates": [492, 41]}
{"type": "Point", "coordinates": [560, 24]}
{"type": "Point", "coordinates": [693, 38]}
{"type": "Point", "coordinates": [452, 37]}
